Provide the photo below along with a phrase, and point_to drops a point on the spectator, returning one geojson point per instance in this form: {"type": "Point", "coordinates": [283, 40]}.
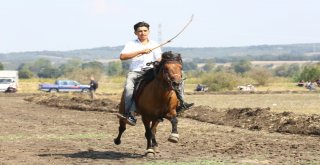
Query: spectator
{"type": "Point", "coordinates": [93, 87]}
{"type": "Point", "coordinates": [199, 88]}
{"type": "Point", "coordinates": [310, 86]}
{"type": "Point", "coordinates": [300, 83]}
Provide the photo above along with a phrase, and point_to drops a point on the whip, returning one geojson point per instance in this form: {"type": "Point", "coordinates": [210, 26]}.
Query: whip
{"type": "Point", "coordinates": [164, 43]}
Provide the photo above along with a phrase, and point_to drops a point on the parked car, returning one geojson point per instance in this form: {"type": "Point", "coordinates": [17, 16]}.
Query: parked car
{"type": "Point", "coordinates": [9, 81]}
{"type": "Point", "coordinates": [64, 86]}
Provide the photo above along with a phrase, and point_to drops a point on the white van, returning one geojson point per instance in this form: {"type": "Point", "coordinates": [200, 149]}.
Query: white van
{"type": "Point", "coordinates": [9, 80]}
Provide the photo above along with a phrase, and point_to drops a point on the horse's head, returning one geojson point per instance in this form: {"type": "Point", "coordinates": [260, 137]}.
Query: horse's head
{"type": "Point", "coordinates": [172, 69]}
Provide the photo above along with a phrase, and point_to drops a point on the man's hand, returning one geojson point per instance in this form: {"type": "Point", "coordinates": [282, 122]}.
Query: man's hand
{"type": "Point", "coordinates": [146, 51]}
{"type": "Point", "coordinates": [126, 56]}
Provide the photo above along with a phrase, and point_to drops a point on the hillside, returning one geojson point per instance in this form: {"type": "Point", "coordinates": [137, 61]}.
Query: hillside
{"type": "Point", "coordinates": [259, 52]}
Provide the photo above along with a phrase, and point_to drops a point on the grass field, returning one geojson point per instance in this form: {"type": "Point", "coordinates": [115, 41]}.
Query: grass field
{"type": "Point", "coordinates": [304, 102]}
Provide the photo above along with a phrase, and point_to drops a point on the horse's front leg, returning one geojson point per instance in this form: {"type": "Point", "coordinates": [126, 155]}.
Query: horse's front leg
{"type": "Point", "coordinates": [148, 135]}
{"type": "Point", "coordinates": [154, 131]}
{"type": "Point", "coordinates": [172, 117]}
{"type": "Point", "coordinates": [174, 137]}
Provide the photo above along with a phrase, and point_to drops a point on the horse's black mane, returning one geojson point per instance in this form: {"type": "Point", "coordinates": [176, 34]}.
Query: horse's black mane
{"type": "Point", "coordinates": [166, 57]}
{"type": "Point", "coordinates": [171, 57]}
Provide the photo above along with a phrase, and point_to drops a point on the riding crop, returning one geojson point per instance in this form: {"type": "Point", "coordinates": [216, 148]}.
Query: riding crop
{"type": "Point", "coordinates": [164, 43]}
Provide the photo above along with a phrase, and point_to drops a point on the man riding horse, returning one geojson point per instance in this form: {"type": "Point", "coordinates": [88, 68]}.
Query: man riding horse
{"type": "Point", "coordinates": [141, 52]}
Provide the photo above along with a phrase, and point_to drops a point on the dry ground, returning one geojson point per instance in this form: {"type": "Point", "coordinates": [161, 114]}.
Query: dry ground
{"type": "Point", "coordinates": [75, 130]}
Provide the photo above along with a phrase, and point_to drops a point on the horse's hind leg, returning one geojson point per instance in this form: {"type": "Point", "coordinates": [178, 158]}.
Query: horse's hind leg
{"type": "Point", "coordinates": [122, 123]}
{"type": "Point", "coordinates": [122, 128]}
{"type": "Point", "coordinates": [174, 137]}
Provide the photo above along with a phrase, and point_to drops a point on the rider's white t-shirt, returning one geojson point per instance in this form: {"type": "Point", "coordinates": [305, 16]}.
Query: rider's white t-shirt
{"type": "Point", "coordinates": [138, 63]}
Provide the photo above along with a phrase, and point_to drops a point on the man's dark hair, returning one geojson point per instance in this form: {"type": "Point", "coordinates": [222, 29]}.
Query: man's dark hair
{"type": "Point", "coordinates": [140, 24]}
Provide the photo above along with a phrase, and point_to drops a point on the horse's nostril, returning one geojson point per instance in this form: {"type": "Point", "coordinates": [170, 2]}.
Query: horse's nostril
{"type": "Point", "coordinates": [176, 83]}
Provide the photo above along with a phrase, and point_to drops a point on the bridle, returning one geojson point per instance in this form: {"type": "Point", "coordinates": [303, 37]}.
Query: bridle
{"type": "Point", "coordinates": [168, 58]}
{"type": "Point", "coordinates": [171, 82]}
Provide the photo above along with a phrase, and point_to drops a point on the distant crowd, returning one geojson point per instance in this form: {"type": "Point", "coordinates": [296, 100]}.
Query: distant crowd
{"type": "Point", "coordinates": [311, 85]}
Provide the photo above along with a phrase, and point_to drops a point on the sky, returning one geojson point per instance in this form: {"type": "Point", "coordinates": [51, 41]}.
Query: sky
{"type": "Point", "coordinates": [60, 25]}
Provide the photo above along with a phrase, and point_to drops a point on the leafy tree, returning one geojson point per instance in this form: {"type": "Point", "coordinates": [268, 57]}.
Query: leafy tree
{"type": "Point", "coordinates": [25, 73]}
{"type": "Point", "coordinates": [71, 65]}
{"type": "Point", "coordinates": [209, 66]}
{"type": "Point", "coordinates": [261, 75]}
{"type": "Point", "coordinates": [287, 70]}
{"type": "Point", "coordinates": [310, 73]}
{"type": "Point", "coordinates": [49, 73]}
{"type": "Point", "coordinates": [187, 66]}
{"type": "Point", "coordinates": [281, 71]}
{"type": "Point", "coordinates": [24, 66]}
{"type": "Point", "coordinates": [293, 70]}
{"type": "Point", "coordinates": [83, 75]}
{"type": "Point", "coordinates": [221, 68]}
{"type": "Point", "coordinates": [125, 66]}
{"type": "Point", "coordinates": [94, 65]}
{"type": "Point", "coordinates": [1, 66]}
{"type": "Point", "coordinates": [220, 81]}
{"type": "Point", "coordinates": [241, 66]}
{"type": "Point", "coordinates": [114, 68]}
{"type": "Point", "coordinates": [40, 64]}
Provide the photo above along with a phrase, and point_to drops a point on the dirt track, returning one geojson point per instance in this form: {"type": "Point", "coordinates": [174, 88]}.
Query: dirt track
{"type": "Point", "coordinates": [38, 134]}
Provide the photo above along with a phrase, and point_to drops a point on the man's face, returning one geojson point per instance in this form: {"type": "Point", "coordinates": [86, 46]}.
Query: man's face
{"type": "Point", "coordinates": [142, 33]}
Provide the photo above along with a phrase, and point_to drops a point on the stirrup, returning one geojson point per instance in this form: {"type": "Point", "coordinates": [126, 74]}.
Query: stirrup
{"type": "Point", "coordinates": [126, 119]}
{"type": "Point", "coordinates": [120, 116]}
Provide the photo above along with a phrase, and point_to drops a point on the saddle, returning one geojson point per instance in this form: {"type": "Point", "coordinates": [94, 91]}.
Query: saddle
{"type": "Point", "coordinates": [142, 81]}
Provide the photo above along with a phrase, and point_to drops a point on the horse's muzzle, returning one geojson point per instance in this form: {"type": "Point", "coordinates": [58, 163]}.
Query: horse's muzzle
{"type": "Point", "coordinates": [176, 84]}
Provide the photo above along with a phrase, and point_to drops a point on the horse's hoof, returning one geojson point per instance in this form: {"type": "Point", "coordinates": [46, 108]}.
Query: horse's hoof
{"type": "Point", "coordinates": [156, 150]}
{"type": "Point", "coordinates": [174, 138]}
{"type": "Point", "coordinates": [117, 141]}
{"type": "Point", "coordinates": [150, 152]}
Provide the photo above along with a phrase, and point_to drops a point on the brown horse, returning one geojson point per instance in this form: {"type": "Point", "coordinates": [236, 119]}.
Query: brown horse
{"type": "Point", "coordinates": [157, 100]}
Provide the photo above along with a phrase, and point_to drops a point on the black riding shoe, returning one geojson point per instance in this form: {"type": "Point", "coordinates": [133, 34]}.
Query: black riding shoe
{"type": "Point", "coordinates": [183, 107]}
{"type": "Point", "coordinates": [131, 120]}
